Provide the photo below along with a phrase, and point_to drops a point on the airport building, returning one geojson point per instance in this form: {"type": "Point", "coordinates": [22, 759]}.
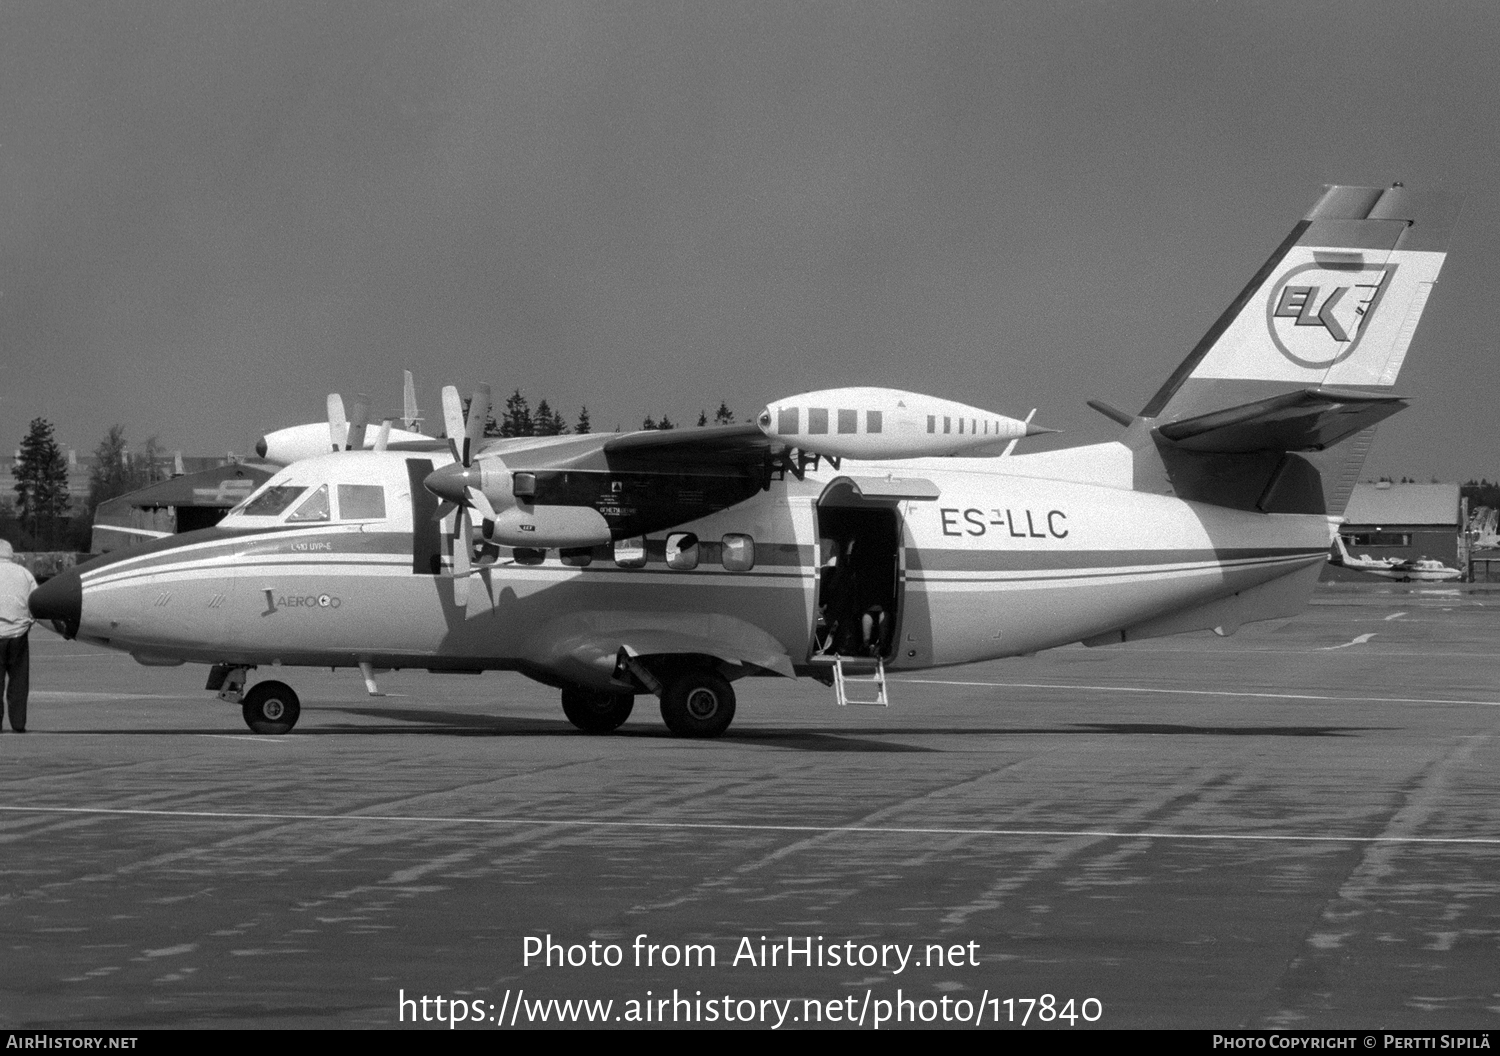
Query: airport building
{"type": "Point", "coordinates": [1402, 521]}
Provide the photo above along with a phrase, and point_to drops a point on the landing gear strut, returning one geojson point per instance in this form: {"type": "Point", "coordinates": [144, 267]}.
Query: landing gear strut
{"type": "Point", "coordinates": [595, 712]}
{"type": "Point", "coordinates": [271, 708]}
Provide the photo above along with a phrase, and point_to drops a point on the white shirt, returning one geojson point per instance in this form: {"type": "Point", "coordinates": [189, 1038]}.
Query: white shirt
{"type": "Point", "coordinates": [16, 585]}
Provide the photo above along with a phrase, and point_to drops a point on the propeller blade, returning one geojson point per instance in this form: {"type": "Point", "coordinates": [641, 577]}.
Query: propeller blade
{"type": "Point", "coordinates": [409, 416]}
{"type": "Point", "coordinates": [453, 420]}
{"type": "Point", "coordinates": [481, 503]}
{"type": "Point", "coordinates": [462, 562]}
{"type": "Point", "coordinates": [479, 410]}
{"type": "Point", "coordinates": [338, 425]}
{"type": "Point", "coordinates": [359, 421]}
{"type": "Point", "coordinates": [444, 508]}
{"type": "Point", "coordinates": [384, 436]}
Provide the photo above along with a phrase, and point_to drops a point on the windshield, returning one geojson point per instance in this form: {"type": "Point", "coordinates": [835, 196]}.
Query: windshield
{"type": "Point", "coordinates": [271, 501]}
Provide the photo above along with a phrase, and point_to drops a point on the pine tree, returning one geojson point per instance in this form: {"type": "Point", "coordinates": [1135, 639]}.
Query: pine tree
{"type": "Point", "coordinates": [723, 416]}
{"type": "Point", "coordinates": [549, 422]}
{"type": "Point", "coordinates": [518, 421]}
{"type": "Point", "coordinates": [666, 423]}
{"type": "Point", "coordinates": [584, 425]}
{"type": "Point", "coordinates": [648, 422]}
{"type": "Point", "coordinates": [702, 419]}
{"type": "Point", "coordinates": [41, 474]}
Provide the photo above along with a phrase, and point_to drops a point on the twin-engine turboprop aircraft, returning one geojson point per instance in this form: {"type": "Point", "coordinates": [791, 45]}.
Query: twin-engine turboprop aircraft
{"type": "Point", "coordinates": [846, 531]}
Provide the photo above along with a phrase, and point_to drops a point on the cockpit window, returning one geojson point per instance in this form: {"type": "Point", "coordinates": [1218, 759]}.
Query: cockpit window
{"type": "Point", "coordinates": [271, 501]}
{"type": "Point", "coordinates": [361, 502]}
{"type": "Point", "coordinates": [313, 508]}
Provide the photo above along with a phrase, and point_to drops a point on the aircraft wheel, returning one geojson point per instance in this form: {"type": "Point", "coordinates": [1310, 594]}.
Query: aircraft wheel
{"type": "Point", "coordinates": [698, 704]}
{"type": "Point", "coordinates": [596, 712]}
{"type": "Point", "coordinates": [271, 707]}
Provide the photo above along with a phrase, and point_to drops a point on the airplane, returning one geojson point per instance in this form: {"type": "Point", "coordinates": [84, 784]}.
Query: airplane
{"type": "Point", "coordinates": [1362, 563]}
{"type": "Point", "coordinates": [1406, 570]}
{"type": "Point", "coordinates": [842, 535]}
{"type": "Point", "coordinates": [345, 431]}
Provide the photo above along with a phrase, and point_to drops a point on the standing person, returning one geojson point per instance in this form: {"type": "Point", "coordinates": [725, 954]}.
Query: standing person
{"type": "Point", "coordinates": [16, 585]}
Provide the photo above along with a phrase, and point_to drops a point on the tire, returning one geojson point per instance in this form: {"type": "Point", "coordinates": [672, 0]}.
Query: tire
{"type": "Point", "coordinates": [271, 708]}
{"type": "Point", "coordinates": [698, 704]}
{"type": "Point", "coordinates": [595, 712]}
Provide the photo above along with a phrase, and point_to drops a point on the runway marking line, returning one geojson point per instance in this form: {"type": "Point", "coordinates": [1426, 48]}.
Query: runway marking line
{"type": "Point", "coordinates": [245, 737]}
{"type": "Point", "coordinates": [1198, 692]}
{"type": "Point", "coordinates": [875, 830]}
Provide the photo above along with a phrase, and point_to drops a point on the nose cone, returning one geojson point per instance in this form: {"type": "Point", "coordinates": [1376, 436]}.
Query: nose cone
{"type": "Point", "coordinates": [452, 481]}
{"type": "Point", "coordinates": [260, 447]}
{"type": "Point", "coordinates": [60, 600]}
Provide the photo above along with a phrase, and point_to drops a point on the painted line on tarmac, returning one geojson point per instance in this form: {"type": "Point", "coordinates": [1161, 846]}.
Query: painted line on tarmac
{"type": "Point", "coordinates": [709, 826]}
{"type": "Point", "coordinates": [244, 737]}
{"type": "Point", "coordinates": [1198, 692]}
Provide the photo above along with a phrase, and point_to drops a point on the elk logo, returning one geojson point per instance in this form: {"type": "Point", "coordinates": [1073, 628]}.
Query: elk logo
{"type": "Point", "coordinates": [1318, 312]}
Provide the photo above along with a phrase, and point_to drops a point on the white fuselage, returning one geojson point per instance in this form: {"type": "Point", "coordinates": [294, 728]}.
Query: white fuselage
{"type": "Point", "coordinates": [1000, 563]}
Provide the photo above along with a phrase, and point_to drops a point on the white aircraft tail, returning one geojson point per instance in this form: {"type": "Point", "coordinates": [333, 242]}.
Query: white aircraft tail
{"type": "Point", "coordinates": [1306, 357]}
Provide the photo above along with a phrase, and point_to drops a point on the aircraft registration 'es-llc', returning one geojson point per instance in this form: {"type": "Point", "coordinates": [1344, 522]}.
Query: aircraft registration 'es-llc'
{"type": "Point", "coordinates": [851, 531]}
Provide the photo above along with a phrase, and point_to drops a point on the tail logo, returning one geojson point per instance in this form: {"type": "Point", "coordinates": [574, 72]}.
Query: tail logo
{"type": "Point", "coordinates": [1318, 312]}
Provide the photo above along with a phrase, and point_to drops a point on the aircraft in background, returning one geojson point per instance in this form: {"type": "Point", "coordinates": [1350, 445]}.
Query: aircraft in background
{"type": "Point", "coordinates": [347, 431]}
{"type": "Point", "coordinates": [1362, 563]}
{"type": "Point", "coordinates": [1406, 570]}
{"type": "Point", "coordinates": [845, 533]}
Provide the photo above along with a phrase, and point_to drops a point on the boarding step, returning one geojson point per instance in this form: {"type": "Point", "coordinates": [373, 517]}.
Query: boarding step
{"type": "Point", "coordinates": [866, 671]}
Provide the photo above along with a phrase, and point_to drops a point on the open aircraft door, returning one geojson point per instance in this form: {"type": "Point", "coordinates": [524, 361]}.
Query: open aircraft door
{"type": "Point", "coordinates": [862, 570]}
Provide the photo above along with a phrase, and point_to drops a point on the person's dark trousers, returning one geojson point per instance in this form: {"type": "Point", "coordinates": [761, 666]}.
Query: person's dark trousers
{"type": "Point", "coordinates": [15, 669]}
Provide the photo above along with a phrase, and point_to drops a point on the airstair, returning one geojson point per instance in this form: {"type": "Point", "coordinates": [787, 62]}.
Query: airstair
{"type": "Point", "coordinates": [864, 673]}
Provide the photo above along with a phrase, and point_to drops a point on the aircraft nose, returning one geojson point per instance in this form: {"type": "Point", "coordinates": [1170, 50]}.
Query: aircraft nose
{"type": "Point", "coordinates": [452, 481]}
{"type": "Point", "coordinates": [260, 447]}
{"type": "Point", "coordinates": [60, 600]}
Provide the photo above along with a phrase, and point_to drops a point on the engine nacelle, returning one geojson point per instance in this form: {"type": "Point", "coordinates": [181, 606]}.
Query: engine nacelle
{"type": "Point", "coordinates": [872, 423]}
{"type": "Point", "coordinates": [545, 527]}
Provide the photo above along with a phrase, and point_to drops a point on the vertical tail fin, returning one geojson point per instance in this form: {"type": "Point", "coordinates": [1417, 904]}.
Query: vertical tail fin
{"type": "Point", "coordinates": [1336, 305]}
{"type": "Point", "coordinates": [1306, 356]}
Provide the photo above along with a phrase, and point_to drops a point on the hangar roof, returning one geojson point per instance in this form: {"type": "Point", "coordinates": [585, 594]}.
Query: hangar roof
{"type": "Point", "coordinates": [1386, 504]}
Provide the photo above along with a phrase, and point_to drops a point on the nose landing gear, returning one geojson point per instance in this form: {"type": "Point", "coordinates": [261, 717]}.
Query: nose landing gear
{"type": "Point", "coordinates": [269, 707]}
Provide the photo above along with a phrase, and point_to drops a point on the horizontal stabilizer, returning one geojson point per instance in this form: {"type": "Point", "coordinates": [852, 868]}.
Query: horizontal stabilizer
{"type": "Point", "coordinates": [1309, 420]}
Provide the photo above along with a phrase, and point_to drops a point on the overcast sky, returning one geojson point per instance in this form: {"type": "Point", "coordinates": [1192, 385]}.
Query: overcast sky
{"type": "Point", "coordinates": [214, 214]}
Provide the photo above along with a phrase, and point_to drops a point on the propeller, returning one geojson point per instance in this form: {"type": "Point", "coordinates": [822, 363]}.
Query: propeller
{"type": "Point", "coordinates": [359, 421]}
{"type": "Point", "coordinates": [464, 437]}
{"type": "Point", "coordinates": [338, 425]}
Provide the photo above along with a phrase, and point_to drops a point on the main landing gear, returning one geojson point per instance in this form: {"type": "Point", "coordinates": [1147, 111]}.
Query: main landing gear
{"type": "Point", "coordinates": [696, 702]}
{"type": "Point", "coordinates": [269, 707]}
{"type": "Point", "coordinates": [596, 712]}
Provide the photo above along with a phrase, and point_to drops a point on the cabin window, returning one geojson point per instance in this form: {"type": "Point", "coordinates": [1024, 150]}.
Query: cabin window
{"type": "Point", "coordinates": [630, 553]}
{"type": "Point", "coordinates": [682, 551]}
{"type": "Point", "coordinates": [848, 421]}
{"type": "Point", "coordinates": [577, 557]}
{"type": "Point", "coordinates": [932, 423]}
{"type": "Point", "coordinates": [786, 420]}
{"type": "Point", "coordinates": [361, 502]}
{"type": "Point", "coordinates": [817, 419]}
{"type": "Point", "coordinates": [738, 553]}
{"type": "Point", "coordinates": [313, 508]}
{"type": "Point", "coordinates": [947, 424]}
{"type": "Point", "coordinates": [272, 501]}
{"type": "Point", "coordinates": [872, 422]}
